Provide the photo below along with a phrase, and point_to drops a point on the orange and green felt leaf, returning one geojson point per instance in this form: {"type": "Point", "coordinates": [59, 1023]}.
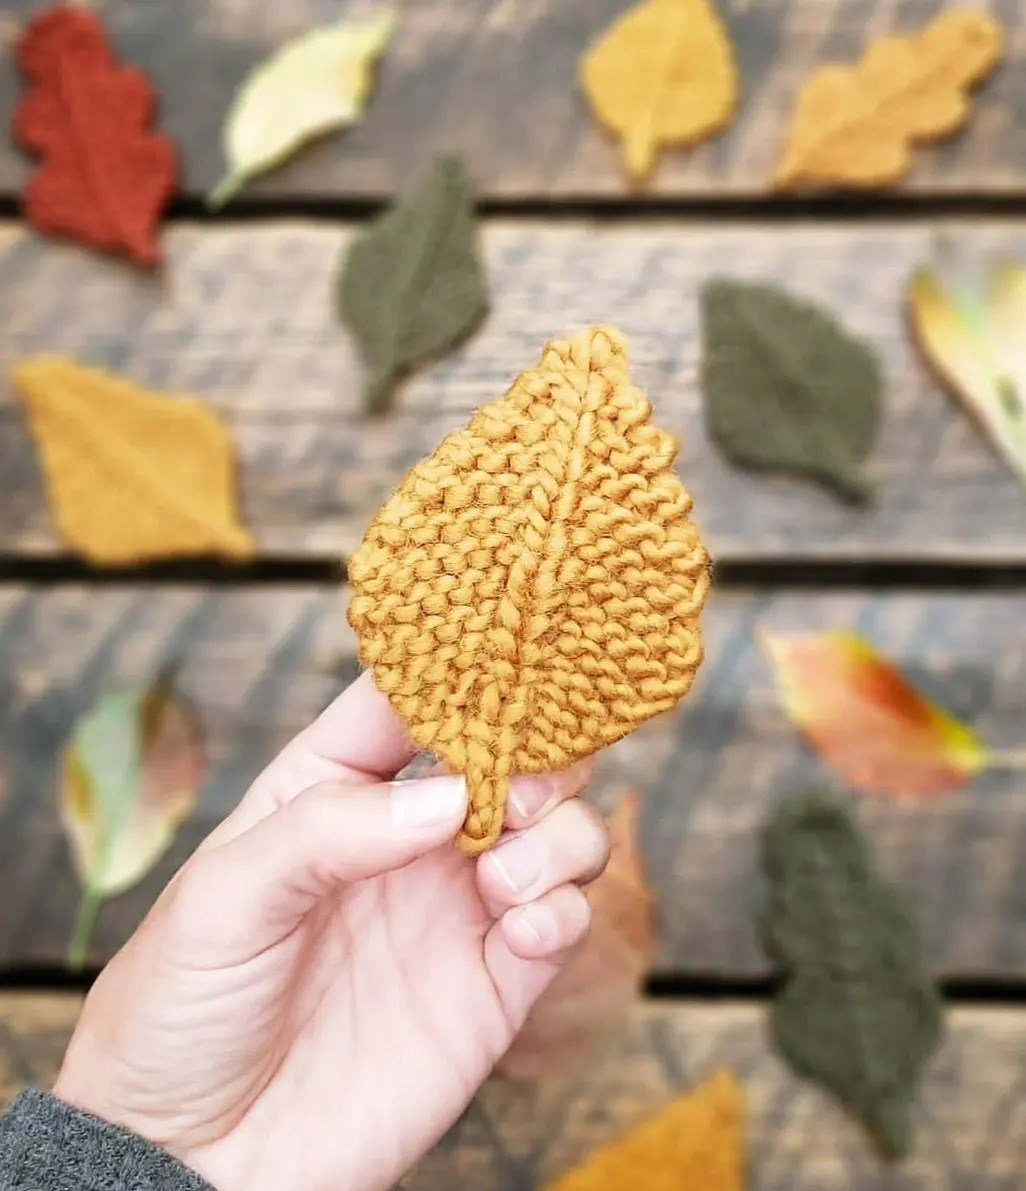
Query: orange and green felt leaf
{"type": "Point", "coordinates": [131, 473]}
{"type": "Point", "coordinates": [588, 1004]}
{"type": "Point", "coordinates": [970, 324]}
{"type": "Point", "coordinates": [866, 718]}
{"type": "Point", "coordinates": [695, 1143]}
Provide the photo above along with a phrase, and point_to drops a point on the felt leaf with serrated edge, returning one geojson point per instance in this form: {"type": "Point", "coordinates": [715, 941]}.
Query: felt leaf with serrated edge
{"type": "Point", "coordinates": [857, 1011]}
{"type": "Point", "coordinates": [694, 1143]}
{"type": "Point", "coordinates": [856, 125]}
{"type": "Point", "coordinates": [969, 320]}
{"type": "Point", "coordinates": [131, 473]}
{"type": "Point", "coordinates": [312, 85]}
{"type": "Point", "coordinates": [867, 720]}
{"type": "Point", "coordinates": [662, 74]}
{"type": "Point", "coordinates": [531, 592]}
{"type": "Point", "coordinates": [588, 1004]}
{"type": "Point", "coordinates": [130, 774]}
{"type": "Point", "coordinates": [412, 286]}
{"type": "Point", "coordinates": [787, 388]}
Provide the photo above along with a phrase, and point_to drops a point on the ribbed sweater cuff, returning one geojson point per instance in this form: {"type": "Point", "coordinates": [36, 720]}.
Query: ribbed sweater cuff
{"type": "Point", "coordinates": [46, 1145]}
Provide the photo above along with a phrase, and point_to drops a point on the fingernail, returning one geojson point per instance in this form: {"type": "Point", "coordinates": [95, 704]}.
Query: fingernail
{"type": "Point", "coordinates": [538, 922]}
{"type": "Point", "coordinates": [427, 801]}
{"type": "Point", "coordinates": [527, 795]}
{"type": "Point", "coordinates": [519, 861]}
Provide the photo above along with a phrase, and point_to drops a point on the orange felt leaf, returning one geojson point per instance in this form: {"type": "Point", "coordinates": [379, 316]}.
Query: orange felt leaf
{"type": "Point", "coordinates": [588, 1003]}
{"type": "Point", "coordinates": [695, 1143]}
{"type": "Point", "coordinates": [867, 720]}
{"type": "Point", "coordinates": [857, 125]}
{"type": "Point", "coordinates": [131, 474]}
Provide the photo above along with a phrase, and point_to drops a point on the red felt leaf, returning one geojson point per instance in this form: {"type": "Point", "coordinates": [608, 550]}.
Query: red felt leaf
{"type": "Point", "coordinates": [105, 177]}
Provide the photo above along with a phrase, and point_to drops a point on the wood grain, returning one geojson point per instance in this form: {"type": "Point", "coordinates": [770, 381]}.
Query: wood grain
{"type": "Point", "coordinates": [243, 315]}
{"type": "Point", "coordinates": [497, 81]}
{"type": "Point", "coordinates": [260, 662]}
{"type": "Point", "coordinates": [971, 1118]}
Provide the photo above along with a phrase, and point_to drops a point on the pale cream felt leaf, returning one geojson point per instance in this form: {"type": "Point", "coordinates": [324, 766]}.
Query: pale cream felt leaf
{"type": "Point", "coordinates": [312, 85]}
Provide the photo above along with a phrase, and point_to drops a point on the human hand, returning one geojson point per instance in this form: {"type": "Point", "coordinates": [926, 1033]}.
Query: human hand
{"type": "Point", "coordinates": [320, 991]}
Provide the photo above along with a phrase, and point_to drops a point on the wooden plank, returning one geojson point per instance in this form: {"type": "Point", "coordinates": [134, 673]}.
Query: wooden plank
{"type": "Point", "coordinates": [244, 316]}
{"type": "Point", "coordinates": [497, 81]}
{"type": "Point", "coordinates": [260, 662]}
{"type": "Point", "coordinates": [969, 1131]}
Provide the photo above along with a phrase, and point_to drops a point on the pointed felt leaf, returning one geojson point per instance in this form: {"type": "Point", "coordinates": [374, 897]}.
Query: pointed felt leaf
{"type": "Point", "coordinates": [662, 74]}
{"type": "Point", "coordinates": [105, 177]}
{"type": "Point", "coordinates": [857, 1012]}
{"type": "Point", "coordinates": [131, 473]}
{"type": "Point", "coordinates": [787, 388]}
{"type": "Point", "coordinates": [413, 285]}
{"type": "Point", "coordinates": [311, 86]}
{"type": "Point", "coordinates": [531, 592]}
{"type": "Point", "coordinates": [857, 125]}
{"type": "Point", "coordinates": [970, 323]}
{"type": "Point", "coordinates": [867, 720]}
{"type": "Point", "coordinates": [695, 1143]}
{"type": "Point", "coordinates": [588, 1004]}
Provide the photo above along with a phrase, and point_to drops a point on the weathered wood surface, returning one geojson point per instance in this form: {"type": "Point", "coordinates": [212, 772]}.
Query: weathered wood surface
{"type": "Point", "coordinates": [970, 1130]}
{"type": "Point", "coordinates": [497, 81]}
{"type": "Point", "coordinates": [260, 662]}
{"type": "Point", "coordinates": [244, 316]}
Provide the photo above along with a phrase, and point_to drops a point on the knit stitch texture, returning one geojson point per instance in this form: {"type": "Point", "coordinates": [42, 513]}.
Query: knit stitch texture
{"type": "Point", "coordinates": [531, 592]}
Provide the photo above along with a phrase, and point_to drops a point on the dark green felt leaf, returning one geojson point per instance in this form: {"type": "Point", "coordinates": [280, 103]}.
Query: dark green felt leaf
{"type": "Point", "coordinates": [787, 388]}
{"type": "Point", "coordinates": [857, 1011]}
{"type": "Point", "coordinates": [413, 286]}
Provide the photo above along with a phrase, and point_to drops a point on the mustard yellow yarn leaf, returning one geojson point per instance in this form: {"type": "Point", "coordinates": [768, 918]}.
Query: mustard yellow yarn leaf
{"type": "Point", "coordinates": [531, 592]}
{"type": "Point", "coordinates": [695, 1143]}
{"type": "Point", "coordinates": [856, 125]}
{"type": "Point", "coordinates": [310, 86]}
{"type": "Point", "coordinates": [131, 474]}
{"type": "Point", "coordinates": [662, 74]}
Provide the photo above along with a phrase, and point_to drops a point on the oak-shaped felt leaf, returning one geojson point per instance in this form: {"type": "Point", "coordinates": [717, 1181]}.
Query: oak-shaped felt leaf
{"type": "Point", "coordinates": [857, 125]}
{"type": "Point", "coordinates": [531, 592]}
{"type": "Point", "coordinates": [105, 176]}
{"type": "Point", "coordinates": [969, 319]}
{"type": "Point", "coordinates": [867, 720]}
{"type": "Point", "coordinates": [662, 74]}
{"type": "Point", "coordinates": [413, 286]}
{"type": "Point", "coordinates": [131, 473]}
{"type": "Point", "coordinates": [588, 1004]}
{"type": "Point", "coordinates": [130, 775]}
{"type": "Point", "coordinates": [787, 388]}
{"type": "Point", "coordinates": [857, 1011]}
{"type": "Point", "coordinates": [310, 86]}
{"type": "Point", "coordinates": [694, 1143]}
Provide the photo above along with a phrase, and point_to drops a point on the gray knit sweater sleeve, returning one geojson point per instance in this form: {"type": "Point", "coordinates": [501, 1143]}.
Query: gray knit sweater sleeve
{"type": "Point", "coordinates": [45, 1145]}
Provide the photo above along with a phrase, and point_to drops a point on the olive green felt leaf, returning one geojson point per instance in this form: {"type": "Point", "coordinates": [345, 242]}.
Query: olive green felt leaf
{"type": "Point", "coordinates": [129, 776]}
{"type": "Point", "coordinates": [857, 1011]}
{"type": "Point", "coordinates": [310, 86]}
{"type": "Point", "coordinates": [413, 285]}
{"type": "Point", "coordinates": [787, 388]}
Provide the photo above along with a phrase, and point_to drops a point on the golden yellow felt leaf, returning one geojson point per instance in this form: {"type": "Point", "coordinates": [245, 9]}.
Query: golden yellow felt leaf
{"type": "Point", "coordinates": [589, 1002]}
{"type": "Point", "coordinates": [311, 85]}
{"type": "Point", "coordinates": [131, 474]}
{"type": "Point", "coordinates": [662, 74]}
{"type": "Point", "coordinates": [695, 1143]}
{"type": "Point", "coordinates": [531, 592]}
{"type": "Point", "coordinates": [856, 125]}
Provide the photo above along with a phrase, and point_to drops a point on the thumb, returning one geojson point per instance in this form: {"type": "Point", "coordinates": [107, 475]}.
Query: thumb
{"type": "Point", "coordinates": [250, 893]}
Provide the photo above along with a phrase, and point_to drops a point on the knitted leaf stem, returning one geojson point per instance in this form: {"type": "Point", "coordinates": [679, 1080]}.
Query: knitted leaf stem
{"type": "Point", "coordinates": [531, 591]}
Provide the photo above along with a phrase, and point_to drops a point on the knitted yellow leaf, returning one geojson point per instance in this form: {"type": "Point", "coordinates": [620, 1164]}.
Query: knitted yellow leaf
{"type": "Point", "coordinates": [695, 1143]}
{"type": "Point", "coordinates": [131, 474]}
{"type": "Point", "coordinates": [531, 591]}
{"type": "Point", "coordinates": [857, 124]}
{"type": "Point", "coordinates": [662, 74]}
